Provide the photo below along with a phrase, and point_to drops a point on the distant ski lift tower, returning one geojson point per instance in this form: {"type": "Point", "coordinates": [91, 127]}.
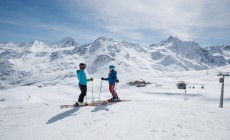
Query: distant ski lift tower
{"type": "Point", "coordinates": [182, 85]}
{"type": "Point", "coordinates": [221, 80]}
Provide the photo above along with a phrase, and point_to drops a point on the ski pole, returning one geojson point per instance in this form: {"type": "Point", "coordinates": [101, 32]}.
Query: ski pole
{"type": "Point", "coordinates": [86, 97]}
{"type": "Point", "coordinates": [92, 92]}
{"type": "Point", "coordinates": [115, 86]}
{"type": "Point", "coordinates": [100, 90]}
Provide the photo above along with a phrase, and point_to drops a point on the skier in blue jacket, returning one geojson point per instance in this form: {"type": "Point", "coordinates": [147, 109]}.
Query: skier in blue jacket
{"type": "Point", "coordinates": [82, 83]}
{"type": "Point", "coordinates": [112, 79]}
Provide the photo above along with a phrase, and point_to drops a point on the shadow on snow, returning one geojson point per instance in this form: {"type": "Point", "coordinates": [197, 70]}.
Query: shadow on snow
{"type": "Point", "coordinates": [101, 107]}
{"type": "Point", "coordinates": [72, 111]}
{"type": "Point", "coordinates": [62, 115]}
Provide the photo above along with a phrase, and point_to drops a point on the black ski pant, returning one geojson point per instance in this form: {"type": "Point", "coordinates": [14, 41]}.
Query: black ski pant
{"type": "Point", "coordinates": [83, 89]}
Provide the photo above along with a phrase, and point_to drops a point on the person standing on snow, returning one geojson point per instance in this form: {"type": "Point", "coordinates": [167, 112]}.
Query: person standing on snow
{"type": "Point", "coordinates": [112, 79]}
{"type": "Point", "coordinates": [82, 84]}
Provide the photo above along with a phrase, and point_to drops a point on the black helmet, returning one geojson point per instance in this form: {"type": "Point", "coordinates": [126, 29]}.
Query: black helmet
{"type": "Point", "coordinates": [82, 65]}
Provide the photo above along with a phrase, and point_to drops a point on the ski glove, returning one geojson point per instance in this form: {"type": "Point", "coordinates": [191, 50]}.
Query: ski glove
{"type": "Point", "coordinates": [91, 79]}
{"type": "Point", "coordinates": [117, 81]}
{"type": "Point", "coordinates": [102, 78]}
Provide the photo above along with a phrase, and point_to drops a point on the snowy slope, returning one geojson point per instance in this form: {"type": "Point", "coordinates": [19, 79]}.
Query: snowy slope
{"type": "Point", "coordinates": [157, 111]}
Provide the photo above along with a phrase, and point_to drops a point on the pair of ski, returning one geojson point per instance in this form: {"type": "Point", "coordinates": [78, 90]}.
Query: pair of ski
{"type": "Point", "coordinates": [95, 103]}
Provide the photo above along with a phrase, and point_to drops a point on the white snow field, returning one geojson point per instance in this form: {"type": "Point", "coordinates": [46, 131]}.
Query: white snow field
{"type": "Point", "coordinates": [156, 112]}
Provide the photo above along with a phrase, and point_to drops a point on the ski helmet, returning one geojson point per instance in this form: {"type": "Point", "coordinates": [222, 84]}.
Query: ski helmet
{"type": "Point", "coordinates": [111, 66]}
{"type": "Point", "coordinates": [82, 65]}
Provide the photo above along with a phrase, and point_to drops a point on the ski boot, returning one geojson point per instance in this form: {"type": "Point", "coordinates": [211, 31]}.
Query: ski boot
{"type": "Point", "coordinates": [114, 99]}
{"type": "Point", "coordinates": [111, 100]}
{"type": "Point", "coordinates": [82, 103]}
{"type": "Point", "coordinates": [76, 104]}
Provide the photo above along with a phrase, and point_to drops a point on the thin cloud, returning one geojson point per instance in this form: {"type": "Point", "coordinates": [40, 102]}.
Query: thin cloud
{"type": "Point", "coordinates": [140, 21]}
{"type": "Point", "coordinates": [184, 19]}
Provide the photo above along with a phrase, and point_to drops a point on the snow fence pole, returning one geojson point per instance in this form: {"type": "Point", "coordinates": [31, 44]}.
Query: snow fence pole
{"type": "Point", "coordinates": [100, 90]}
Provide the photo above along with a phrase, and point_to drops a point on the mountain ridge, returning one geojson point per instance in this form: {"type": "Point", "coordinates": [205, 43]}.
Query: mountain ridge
{"type": "Point", "coordinates": [35, 62]}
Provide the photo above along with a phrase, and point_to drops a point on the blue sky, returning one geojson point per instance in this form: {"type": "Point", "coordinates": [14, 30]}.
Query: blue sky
{"type": "Point", "coordinates": [138, 21]}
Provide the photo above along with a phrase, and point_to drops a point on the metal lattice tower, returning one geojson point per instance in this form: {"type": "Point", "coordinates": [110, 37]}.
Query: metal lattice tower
{"type": "Point", "coordinates": [221, 80]}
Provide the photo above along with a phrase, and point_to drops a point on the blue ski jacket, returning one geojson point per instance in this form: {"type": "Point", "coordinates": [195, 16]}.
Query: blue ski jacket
{"type": "Point", "coordinates": [82, 77]}
{"type": "Point", "coordinates": [112, 77]}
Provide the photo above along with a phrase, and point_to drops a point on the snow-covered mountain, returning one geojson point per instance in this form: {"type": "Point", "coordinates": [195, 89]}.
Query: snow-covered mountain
{"type": "Point", "coordinates": [46, 76]}
{"type": "Point", "coordinates": [65, 42]}
{"type": "Point", "coordinates": [105, 51]}
{"type": "Point", "coordinates": [184, 55]}
{"type": "Point", "coordinates": [29, 63]}
{"type": "Point", "coordinates": [42, 64]}
{"type": "Point", "coordinates": [220, 51]}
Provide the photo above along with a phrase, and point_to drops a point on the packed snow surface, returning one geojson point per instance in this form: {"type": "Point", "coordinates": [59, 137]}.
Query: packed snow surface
{"type": "Point", "coordinates": [158, 111]}
{"type": "Point", "coordinates": [36, 78]}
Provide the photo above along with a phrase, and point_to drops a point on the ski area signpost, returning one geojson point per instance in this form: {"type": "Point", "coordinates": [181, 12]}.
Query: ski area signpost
{"type": "Point", "coordinates": [221, 80]}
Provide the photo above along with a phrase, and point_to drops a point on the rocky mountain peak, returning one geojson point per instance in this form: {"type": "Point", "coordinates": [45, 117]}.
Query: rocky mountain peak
{"type": "Point", "coordinates": [65, 42]}
{"type": "Point", "coordinates": [172, 39]}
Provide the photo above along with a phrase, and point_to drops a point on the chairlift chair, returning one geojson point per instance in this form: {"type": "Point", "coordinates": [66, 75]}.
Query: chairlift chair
{"type": "Point", "coordinates": [221, 80]}
{"type": "Point", "coordinates": [181, 85]}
